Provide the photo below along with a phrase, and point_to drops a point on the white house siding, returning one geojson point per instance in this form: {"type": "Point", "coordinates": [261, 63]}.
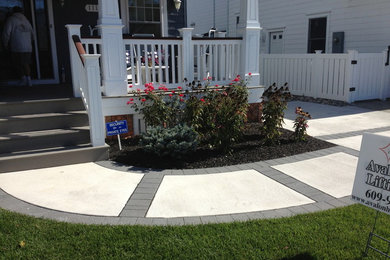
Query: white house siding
{"type": "Point", "coordinates": [366, 23]}
{"type": "Point", "coordinates": [200, 15]}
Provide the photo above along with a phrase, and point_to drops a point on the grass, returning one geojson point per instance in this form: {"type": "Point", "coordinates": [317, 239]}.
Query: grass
{"type": "Point", "coordinates": [334, 234]}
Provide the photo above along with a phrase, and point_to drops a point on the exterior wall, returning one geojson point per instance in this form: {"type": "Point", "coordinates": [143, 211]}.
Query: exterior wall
{"type": "Point", "coordinates": [200, 15]}
{"type": "Point", "coordinates": [365, 23]}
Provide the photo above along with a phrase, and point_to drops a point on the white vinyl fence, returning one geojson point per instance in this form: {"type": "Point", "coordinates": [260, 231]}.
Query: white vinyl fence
{"type": "Point", "coordinates": [346, 77]}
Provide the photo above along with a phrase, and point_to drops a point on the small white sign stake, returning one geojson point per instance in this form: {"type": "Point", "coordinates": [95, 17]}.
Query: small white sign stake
{"type": "Point", "coordinates": [119, 142]}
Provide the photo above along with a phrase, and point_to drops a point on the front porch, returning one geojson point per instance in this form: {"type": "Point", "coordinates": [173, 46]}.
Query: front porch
{"type": "Point", "coordinates": [106, 68]}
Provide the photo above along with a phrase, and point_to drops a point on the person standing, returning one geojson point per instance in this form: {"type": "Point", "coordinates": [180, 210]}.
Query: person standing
{"type": "Point", "coordinates": [17, 37]}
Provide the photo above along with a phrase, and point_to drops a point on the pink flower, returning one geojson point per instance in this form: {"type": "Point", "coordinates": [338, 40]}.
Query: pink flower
{"type": "Point", "coordinates": [204, 78]}
{"type": "Point", "coordinates": [138, 90]}
{"type": "Point", "coordinates": [217, 85]}
{"type": "Point", "coordinates": [210, 78]}
{"type": "Point", "coordinates": [131, 99]}
{"type": "Point", "coordinates": [179, 87]}
{"type": "Point", "coordinates": [250, 73]}
{"type": "Point", "coordinates": [170, 95]}
{"type": "Point", "coordinates": [128, 102]}
{"type": "Point", "coordinates": [130, 86]}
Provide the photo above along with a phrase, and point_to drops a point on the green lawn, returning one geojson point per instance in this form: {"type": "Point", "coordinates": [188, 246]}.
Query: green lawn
{"type": "Point", "coordinates": [335, 234]}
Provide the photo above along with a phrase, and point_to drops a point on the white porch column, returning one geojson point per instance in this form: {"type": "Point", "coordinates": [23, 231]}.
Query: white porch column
{"type": "Point", "coordinates": [112, 49]}
{"type": "Point", "coordinates": [188, 54]}
{"type": "Point", "coordinates": [249, 30]}
{"type": "Point", "coordinates": [74, 29]}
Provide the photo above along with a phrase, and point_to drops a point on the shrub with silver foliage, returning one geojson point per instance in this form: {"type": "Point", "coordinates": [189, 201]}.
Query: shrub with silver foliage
{"type": "Point", "coordinates": [174, 142]}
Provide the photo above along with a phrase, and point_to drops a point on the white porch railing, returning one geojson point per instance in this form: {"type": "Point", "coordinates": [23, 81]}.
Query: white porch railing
{"type": "Point", "coordinates": [89, 82]}
{"type": "Point", "coordinates": [346, 77]}
{"type": "Point", "coordinates": [218, 58]}
{"type": "Point", "coordinates": [161, 61]}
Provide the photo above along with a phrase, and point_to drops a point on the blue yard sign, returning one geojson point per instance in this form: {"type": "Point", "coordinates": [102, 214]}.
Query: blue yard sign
{"type": "Point", "coordinates": [117, 127]}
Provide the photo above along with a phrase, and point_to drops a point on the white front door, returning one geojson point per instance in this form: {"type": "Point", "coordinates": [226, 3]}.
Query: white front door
{"type": "Point", "coordinates": [276, 42]}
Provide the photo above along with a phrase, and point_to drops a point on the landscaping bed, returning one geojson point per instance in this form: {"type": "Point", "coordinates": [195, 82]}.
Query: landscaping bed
{"type": "Point", "coordinates": [251, 148]}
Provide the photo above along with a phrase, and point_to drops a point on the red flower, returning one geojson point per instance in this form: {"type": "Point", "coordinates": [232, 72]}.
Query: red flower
{"type": "Point", "coordinates": [181, 95]}
{"type": "Point", "coordinates": [143, 100]}
{"type": "Point", "coordinates": [179, 87]}
{"type": "Point", "coordinates": [210, 78]}
{"type": "Point", "coordinates": [250, 73]}
{"type": "Point", "coordinates": [130, 86]}
{"type": "Point", "coordinates": [170, 95]}
{"type": "Point", "coordinates": [236, 79]}
{"type": "Point", "coordinates": [128, 102]}
{"type": "Point", "coordinates": [217, 85]}
{"type": "Point", "coordinates": [181, 100]}
{"type": "Point", "coordinates": [173, 92]}
{"type": "Point", "coordinates": [201, 99]}
{"type": "Point", "coordinates": [131, 99]}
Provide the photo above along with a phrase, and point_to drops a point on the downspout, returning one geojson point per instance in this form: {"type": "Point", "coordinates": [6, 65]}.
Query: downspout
{"type": "Point", "coordinates": [214, 15]}
{"type": "Point", "coordinates": [227, 18]}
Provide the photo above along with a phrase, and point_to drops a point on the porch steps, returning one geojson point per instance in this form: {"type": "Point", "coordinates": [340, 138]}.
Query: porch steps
{"type": "Point", "coordinates": [44, 133]}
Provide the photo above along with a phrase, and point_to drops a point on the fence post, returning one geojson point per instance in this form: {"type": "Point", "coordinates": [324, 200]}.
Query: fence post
{"type": "Point", "coordinates": [353, 76]}
{"type": "Point", "coordinates": [74, 29]}
{"type": "Point", "coordinates": [188, 54]}
{"type": "Point", "coordinates": [384, 78]}
{"type": "Point", "coordinates": [95, 109]}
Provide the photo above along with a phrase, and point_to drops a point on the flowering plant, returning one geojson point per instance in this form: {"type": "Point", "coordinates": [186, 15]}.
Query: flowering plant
{"type": "Point", "coordinates": [274, 103]}
{"type": "Point", "coordinates": [216, 113]}
{"type": "Point", "coordinates": [300, 124]}
{"type": "Point", "coordinates": [160, 107]}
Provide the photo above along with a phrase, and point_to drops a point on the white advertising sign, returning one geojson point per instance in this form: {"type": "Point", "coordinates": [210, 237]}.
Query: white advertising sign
{"type": "Point", "coordinates": [372, 180]}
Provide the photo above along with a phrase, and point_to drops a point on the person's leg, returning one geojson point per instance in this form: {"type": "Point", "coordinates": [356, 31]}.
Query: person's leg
{"type": "Point", "coordinates": [26, 60]}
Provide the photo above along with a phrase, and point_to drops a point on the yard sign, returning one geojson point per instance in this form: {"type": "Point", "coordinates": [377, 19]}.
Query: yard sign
{"type": "Point", "coordinates": [372, 180]}
{"type": "Point", "coordinates": [117, 128]}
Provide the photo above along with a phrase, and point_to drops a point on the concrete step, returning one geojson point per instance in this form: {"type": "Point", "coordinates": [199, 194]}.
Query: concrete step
{"type": "Point", "coordinates": [33, 140]}
{"type": "Point", "coordinates": [52, 157]}
{"type": "Point", "coordinates": [36, 122]}
{"type": "Point", "coordinates": [40, 106]}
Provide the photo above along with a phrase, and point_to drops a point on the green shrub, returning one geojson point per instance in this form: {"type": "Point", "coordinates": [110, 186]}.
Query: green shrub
{"type": "Point", "coordinates": [160, 107]}
{"type": "Point", "coordinates": [174, 142]}
{"type": "Point", "coordinates": [219, 115]}
{"type": "Point", "coordinates": [300, 124]}
{"type": "Point", "coordinates": [274, 103]}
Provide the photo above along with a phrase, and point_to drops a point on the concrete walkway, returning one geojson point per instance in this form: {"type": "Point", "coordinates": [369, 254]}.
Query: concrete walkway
{"type": "Point", "coordinates": [108, 193]}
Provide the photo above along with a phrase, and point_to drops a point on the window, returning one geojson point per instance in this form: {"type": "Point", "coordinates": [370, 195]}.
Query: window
{"type": "Point", "coordinates": [317, 35]}
{"type": "Point", "coordinates": [144, 17]}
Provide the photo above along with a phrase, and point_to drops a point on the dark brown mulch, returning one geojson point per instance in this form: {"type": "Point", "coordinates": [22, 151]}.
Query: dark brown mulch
{"type": "Point", "coordinates": [251, 149]}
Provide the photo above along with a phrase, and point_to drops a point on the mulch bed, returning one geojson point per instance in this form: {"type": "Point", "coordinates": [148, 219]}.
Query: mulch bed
{"type": "Point", "coordinates": [251, 148]}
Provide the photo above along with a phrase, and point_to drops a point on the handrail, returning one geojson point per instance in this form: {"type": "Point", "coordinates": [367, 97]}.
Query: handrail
{"type": "Point", "coordinates": [215, 39]}
{"type": "Point", "coordinates": [79, 47]}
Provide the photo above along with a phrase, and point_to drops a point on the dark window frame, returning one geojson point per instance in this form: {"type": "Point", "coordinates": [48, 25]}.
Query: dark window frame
{"type": "Point", "coordinates": [317, 38]}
